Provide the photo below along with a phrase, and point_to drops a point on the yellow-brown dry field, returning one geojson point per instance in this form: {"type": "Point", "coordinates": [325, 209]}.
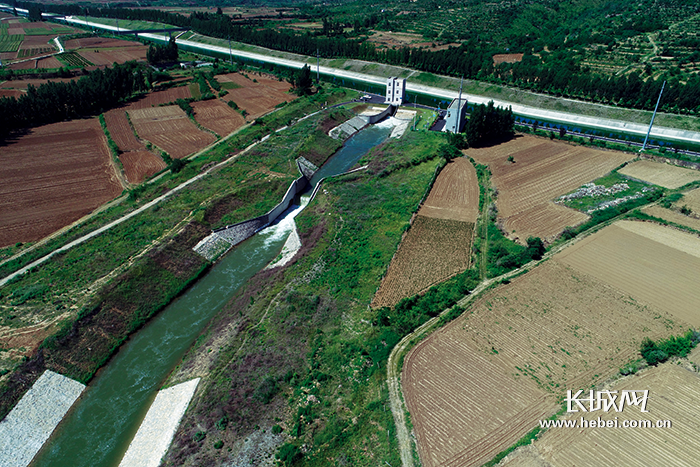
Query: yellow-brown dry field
{"type": "Point", "coordinates": [656, 265]}
{"type": "Point", "coordinates": [455, 194]}
{"type": "Point", "coordinates": [541, 171]}
{"type": "Point", "coordinates": [692, 200]}
{"type": "Point", "coordinates": [673, 216]}
{"type": "Point", "coordinates": [665, 175]}
{"type": "Point", "coordinates": [482, 382]}
{"type": "Point", "coordinates": [673, 395]}
{"type": "Point", "coordinates": [438, 244]}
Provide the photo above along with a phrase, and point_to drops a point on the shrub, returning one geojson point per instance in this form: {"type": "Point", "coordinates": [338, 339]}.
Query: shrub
{"type": "Point", "coordinates": [219, 444]}
{"type": "Point", "coordinates": [199, 436]}
{"type": "Point", "coordinates": [658, 352]}
{"type": "Point", "coordinates": [276, 429]}
{"type": "Point", "coordinates": [289, 454]}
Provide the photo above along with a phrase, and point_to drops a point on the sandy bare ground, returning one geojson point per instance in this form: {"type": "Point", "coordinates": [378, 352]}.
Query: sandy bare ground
{"type": "Point", "coordinates": [665, 175]}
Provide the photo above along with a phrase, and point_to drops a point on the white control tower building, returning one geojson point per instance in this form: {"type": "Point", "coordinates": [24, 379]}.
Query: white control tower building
{"type": "Point", "coordinates": [395, 90]}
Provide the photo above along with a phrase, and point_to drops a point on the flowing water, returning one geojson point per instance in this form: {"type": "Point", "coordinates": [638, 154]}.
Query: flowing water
{"type": "Point", "coordinates": [99, 428]}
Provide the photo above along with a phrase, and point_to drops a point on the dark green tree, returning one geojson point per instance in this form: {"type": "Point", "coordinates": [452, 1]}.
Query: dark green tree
{"type": "Point", "coordinates": [303, 81]}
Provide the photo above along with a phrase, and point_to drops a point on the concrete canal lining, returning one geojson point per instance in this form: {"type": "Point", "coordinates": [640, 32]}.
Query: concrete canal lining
{"type": "Point", "coordinates": [30, 423]}
{"type": "Point", "coordinates": [158, 428]}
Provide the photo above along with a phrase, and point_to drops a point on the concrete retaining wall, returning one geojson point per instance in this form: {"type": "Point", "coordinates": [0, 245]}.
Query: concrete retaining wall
{"type": "Point", "coordinates": [372, 119]}
{"type": "Point", "coordinates": [211, 246]}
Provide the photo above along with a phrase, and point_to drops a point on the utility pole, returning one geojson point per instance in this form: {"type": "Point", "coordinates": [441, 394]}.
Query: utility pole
{"type": "Point", "coordinates": [644, 146]}
{"type": "Point", "coordinates": [230, 54]}
{"type": "Point", "coordinates": [318, 73]}
{"type": "Point", "coordinates": [459, 105]}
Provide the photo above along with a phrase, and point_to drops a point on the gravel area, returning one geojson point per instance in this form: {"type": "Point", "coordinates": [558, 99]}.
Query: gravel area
{"type": "Point", "coordinates": [27, 427]}
{"type": "Point", "coordinates": [158, 428]}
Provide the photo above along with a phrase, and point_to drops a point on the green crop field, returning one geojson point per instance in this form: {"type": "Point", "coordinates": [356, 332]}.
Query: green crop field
{"type": "Point", "coordinates": [10, 43]}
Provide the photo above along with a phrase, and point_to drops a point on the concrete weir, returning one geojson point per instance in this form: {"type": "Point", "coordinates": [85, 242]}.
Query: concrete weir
{"type": "Point", "coordinates": [30, 423]}
{"type": "Point", "coordinates": [156, 432]}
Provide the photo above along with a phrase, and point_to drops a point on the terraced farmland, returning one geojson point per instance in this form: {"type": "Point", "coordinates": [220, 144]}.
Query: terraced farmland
{"type": "Point", "coordinates": [52, 176]}
{"type": "Point", "coordinates": [217, 116]}
{"type": "Point", "coordinates": [654, 264]}
{"type": "Point", "coordinates": [665, 175]}
{"type": "Point", "coordinates": [255, 97]}
{"type": "Point", "coordinates": [433, 250]}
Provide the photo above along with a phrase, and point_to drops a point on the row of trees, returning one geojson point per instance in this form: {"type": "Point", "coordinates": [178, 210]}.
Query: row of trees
{"type": "Point", "coordinates": [489, 124]}
{"type": "Point", "coordinates": [90, 95]}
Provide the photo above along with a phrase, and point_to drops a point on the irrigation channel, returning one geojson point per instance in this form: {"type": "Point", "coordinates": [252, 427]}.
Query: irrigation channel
{"type": "Point", "coordinates": [98, 429]}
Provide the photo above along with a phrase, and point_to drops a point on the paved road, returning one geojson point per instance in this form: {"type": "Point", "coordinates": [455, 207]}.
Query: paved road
{"type": "Point", "coordinates": [518, 109]}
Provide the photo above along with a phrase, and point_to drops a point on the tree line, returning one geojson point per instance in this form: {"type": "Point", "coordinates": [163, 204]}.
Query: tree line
{"type": "Point", "coordinates": [90, 95]}
{"type": "Point", "coordinates": [472, 59]}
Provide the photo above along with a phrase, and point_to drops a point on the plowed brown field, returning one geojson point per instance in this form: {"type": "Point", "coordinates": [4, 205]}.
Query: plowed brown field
{"type": "Point", "coordinates": [49, 62]}
{"type": "Point", "coordinates": [673, 395]}
{"type": "Point", "coordinates": [170, 129]}
{"type": "Point", "coordinates": [544, 220]}
{"type": "Point", "coordinates": [433, 250]}
{"type": "Point", "coordinates": [10, 93]}
{"type": "Point", "coordinates": [109, 56]}
{"type": "Point", "coordinates": [655, 264]}
{"type": "Point", "coordinates": [121, 132]}
{"type": "Point", "coordinates": [217, 116]}
{"type": "Point", "coordinates": [153, 99]}
{"type": "Point", "coordinates": [665, 175]}
{"type": "Point", "coordinates": [455, 194]}
{"type": "Point", "coordinates": [479, 384]}
{"type": "Point", "coordinates": [99, 42]}
{"type": "Point", "coordinates": [256, 98]}
{"type": "Point", "coordinates": [138, 165]}
{"type": "Point", "coordinates": [52, 176]}
{"type": "Point", "coordinates": [542, 171]}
